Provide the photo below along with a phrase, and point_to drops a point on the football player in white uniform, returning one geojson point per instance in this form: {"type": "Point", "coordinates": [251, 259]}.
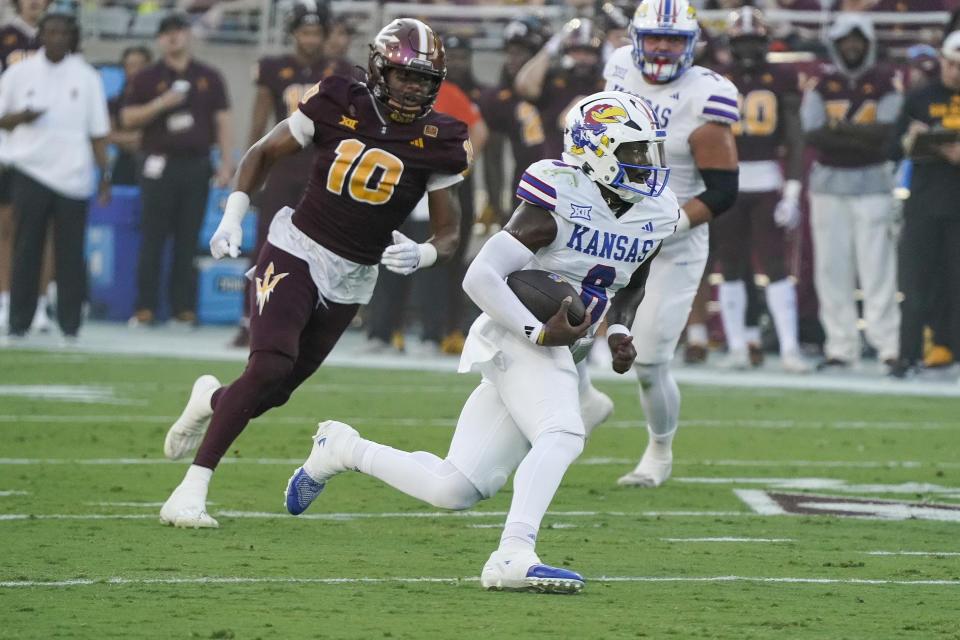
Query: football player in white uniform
{"type": "Point", "coordinates": [596, 219]}
{"type": "Point", "coordinates": [696, 106]}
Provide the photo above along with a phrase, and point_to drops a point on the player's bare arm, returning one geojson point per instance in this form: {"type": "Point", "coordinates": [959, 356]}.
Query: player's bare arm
{"type": "Point", "coordinates": [621, 314]}
{"type": "Point", "coordinates": [444, 222]}
{"type": "Point", "coordinates": [533, 226]}
{"type": "Point", "coordinates": [251, 173]}
{"type": "Point", "coordinates": [261, 114]}
{"type": "Point", "coordinates": [256, 162]}
{"type": "Point", "coordinates": [714, 151]}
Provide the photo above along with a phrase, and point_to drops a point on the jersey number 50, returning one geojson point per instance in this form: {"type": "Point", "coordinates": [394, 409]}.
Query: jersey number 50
{"type": "Point", "coordinates": [372, 178]}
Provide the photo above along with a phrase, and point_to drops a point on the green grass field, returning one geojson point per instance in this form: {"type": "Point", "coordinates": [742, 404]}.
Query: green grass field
{"type": "Point", "coordinates": [82, 479]}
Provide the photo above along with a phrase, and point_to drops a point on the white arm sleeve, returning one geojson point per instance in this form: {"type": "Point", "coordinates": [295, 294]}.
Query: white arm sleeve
{"type": "Point", "coordinates": [485, 283]}
{"type": "Point", "coordinates": [301, 127]}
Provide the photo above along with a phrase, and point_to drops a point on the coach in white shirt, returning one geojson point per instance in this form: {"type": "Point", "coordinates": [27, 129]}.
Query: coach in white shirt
{"type": "Point", "coordinates": [54, 106]}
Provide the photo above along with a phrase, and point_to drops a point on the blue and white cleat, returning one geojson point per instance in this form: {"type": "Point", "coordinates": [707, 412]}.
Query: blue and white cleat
{"type": "Point", "coordinates": [301, 491]}
{"type": "Point", "coordinates": [332, 453]}
{"type": "Point", "coordinates": [524, 572]}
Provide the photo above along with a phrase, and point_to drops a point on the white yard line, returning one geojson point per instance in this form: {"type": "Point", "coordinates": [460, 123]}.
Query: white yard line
{"type": "Point", "coordinates": [837, 464]}
{"type": "Point", "coordinates": [456, 580]}
{"type": "Point", "coordinates": [437, 422]}
{"type": "Point", "coordinates": [911, 553]}
{"type": "Point", "coordinates": [265, 515]}
{"type": "Point", "coordinates": [728, 539]}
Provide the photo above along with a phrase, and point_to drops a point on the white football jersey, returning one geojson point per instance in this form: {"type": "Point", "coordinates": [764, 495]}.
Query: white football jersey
{"type": "Point", "coordinates": [594, 251]}
{"type": "Point", "coordinates": [682, 105]}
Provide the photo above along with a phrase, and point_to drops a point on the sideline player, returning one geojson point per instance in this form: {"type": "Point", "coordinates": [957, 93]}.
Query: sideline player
{"type": "Point", "coordinates": [281, 83]}
{"type": "Point", "coordinates": [696, 107]}
{"type": "Point", "coordinates": [379, 147]}
{"type": "Point", "coordinates": [767, 207]}
{"type": "Point", "coordinates": [597, 219]}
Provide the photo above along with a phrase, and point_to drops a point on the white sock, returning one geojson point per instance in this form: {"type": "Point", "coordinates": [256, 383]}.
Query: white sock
{"type": "Point", "coordinates": [697, 334]}
{"type": "Point", "coordinates": [782, 302]}
{"type": "Point", "coordinates": [537, 479]}
{"type": "Point", "coordinates": [518, 536]}
{"type": "Point", "coordinates": [733, 312]}
{"type": "Point", "coordinates": [752, 335]}
{"type": "Point", "coordinates": [659, 397]}
{"type": "Point", "coordinates": [198, 479]}
{"type": "Point", "coordinates": [418, 474]}
{"type": "Point", "coordinates": [660, 446]}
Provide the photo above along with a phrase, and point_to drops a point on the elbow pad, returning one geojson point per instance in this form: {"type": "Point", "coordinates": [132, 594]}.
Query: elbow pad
{"type": "Point", "coordinates": [722, 187]}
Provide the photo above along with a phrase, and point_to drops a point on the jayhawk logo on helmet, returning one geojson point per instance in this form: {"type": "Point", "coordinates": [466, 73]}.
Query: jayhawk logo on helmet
{"type": "Point", "coordinates": [604, 114]}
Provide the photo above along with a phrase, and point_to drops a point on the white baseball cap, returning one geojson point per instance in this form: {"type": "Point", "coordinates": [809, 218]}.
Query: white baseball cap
{"type": "Point", "coordinates": [950, 49]}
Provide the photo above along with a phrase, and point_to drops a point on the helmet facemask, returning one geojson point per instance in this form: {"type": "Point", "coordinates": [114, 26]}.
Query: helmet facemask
{"type": "Point", "coordinates": [664, 18]}
{"type": "Point", "coordinates": [409, 47]}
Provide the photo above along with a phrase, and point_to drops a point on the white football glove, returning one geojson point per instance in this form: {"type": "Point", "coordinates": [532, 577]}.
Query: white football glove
{"type": "Point", "coordinates": [226, 240]}
{"type": "Point", "coordinates": [787, 212]}
{"type": "Point", "coordinates": [405, 256]}
{"type": "Point", "coordinates": [229, 234]}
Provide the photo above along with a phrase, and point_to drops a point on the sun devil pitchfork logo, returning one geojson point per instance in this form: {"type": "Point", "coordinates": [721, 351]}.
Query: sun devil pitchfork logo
{"type": "Point", "coordinates": [593, 126]}
{"type": "Point", "coordinates": [265, 286]}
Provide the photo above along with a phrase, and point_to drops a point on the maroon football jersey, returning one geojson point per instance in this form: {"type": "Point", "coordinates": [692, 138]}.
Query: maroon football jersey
{"type": "Point", "coordinates": [288, 80]}
{"type": "Point", "coordinates": [369, 172]}
{"type": "Point", "coordinates": [759, 131]}
{"type": "Point", "coordinates": [15, 45]}
{"type": "Point", "coordinates": [856, 102]}
{"type": "Point", "coordinates": [519, 122]}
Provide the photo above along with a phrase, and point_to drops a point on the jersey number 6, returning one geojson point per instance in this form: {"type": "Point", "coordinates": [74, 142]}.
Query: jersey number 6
{"type": "Point", "coordinates": [372, 178]}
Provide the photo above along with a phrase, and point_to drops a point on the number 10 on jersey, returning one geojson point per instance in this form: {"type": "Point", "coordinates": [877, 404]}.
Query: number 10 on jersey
{"type": "Point", "coordinates": [372, 178]}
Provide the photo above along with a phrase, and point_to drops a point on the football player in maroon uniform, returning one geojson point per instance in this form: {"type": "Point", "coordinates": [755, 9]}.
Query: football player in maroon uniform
{"type": "Point", "coordinates": [848, 117]}
{"type": "Point", "coordinates": [379, 147]}
{"type": "Point", "coordinates": [766, 206]}
{"type": "Point", "coordinates": [281, 83]}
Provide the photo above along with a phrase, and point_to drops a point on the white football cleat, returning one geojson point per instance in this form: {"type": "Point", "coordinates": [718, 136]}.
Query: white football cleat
{"type": "Point", "coordinates": [791, 362]}
{"type": "Point", "coordinates": [595, 407]}
{"type": "Point", "coordinates": [523, 571]}
{"type": "Point", "coordinates": [186, 433]}
{"type": "Point", "coordinates": [186, 509]}
{"type": "Point", "coordinates": [651, 471]}
{"type": "Point", "coordinates": [332, 453]}
{"type": "Point", "coordinates": [737, 360]}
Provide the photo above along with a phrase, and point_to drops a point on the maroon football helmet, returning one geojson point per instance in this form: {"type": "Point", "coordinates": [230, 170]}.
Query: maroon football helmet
{"type": "Point", "coordinates": [408, 45]}
{"type": "Point", "coordinates": [749, 36]}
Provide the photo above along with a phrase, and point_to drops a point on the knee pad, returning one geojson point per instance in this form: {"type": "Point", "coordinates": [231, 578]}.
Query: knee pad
{"type": "Point", "coordinates": [563, 445]}
{"type": "Point", "coordinates": [453, 490]}
{"type": "Point", "coordinates": [650, 374]}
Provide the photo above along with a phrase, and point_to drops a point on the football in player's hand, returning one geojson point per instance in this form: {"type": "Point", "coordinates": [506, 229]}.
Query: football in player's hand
{"type": "Point", "coordinates": [541, 292]}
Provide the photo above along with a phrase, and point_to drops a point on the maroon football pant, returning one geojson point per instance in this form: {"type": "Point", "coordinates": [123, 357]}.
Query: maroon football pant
{"type": "Point", "coordinates": [291, 334]}
{"type": "Point", "coordinates": [748, 230]}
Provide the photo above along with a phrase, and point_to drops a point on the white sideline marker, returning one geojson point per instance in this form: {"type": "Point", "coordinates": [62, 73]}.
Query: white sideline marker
{"type": "Point", "coordinates": [334, 581]}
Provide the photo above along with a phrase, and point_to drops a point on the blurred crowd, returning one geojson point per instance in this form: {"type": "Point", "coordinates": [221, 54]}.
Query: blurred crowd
{"type": "Point", "coordinates": [869, 162]}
